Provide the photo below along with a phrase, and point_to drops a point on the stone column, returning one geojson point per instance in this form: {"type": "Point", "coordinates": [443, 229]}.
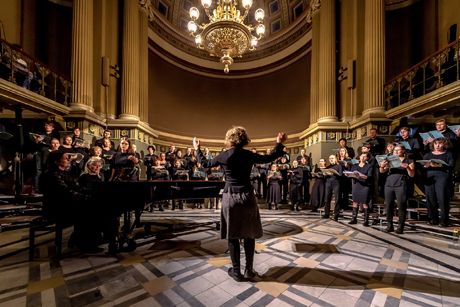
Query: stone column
{"type": "Point", "coordinates": [327, 105]}
{"type": "Point", "coordinates": [374, 56]}
{"type": "Point", "coordinates": [130, 61]}
{"type": "Point", "coordinates": [82, 55]}
{"type": "Point", "coordinates": [143, 65]}
{"type": "Point", "coordinates": [314, 65]}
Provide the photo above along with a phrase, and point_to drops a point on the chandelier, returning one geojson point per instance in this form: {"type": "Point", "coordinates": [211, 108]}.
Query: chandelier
{"type": "Point", "coordinates": [226, 36]}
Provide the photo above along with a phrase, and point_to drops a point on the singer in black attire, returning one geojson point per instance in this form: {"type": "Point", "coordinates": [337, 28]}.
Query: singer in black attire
{"type": "Point", "coordinates": [396, 188]}
{"type": "Point", "coordinates": [362, 187]}
{"type": "Point", "coordinates": [317, 191]}
{"type": "Point", "coordinates": [295, 187]}
{"type": "Point", "coordinates": [437, 181]}
{"type": "Point", "coordinates": [240, 218]}
{"type": "Point", "coordinates": [332, 184]}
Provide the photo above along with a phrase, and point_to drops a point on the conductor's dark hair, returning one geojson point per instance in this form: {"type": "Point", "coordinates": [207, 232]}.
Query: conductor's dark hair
{"type": "Point", "coordinates": [373, 129]}
{"type": "Point", "coordinates": [153, 147]}
{"type": "Point", "coordinates": [343, 139]}
{"type": "Point", "coordinates": [75, 128]}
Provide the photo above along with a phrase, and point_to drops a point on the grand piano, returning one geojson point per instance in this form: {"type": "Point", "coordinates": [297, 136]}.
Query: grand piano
{"type": "Point", "coordinates": [121, 198]}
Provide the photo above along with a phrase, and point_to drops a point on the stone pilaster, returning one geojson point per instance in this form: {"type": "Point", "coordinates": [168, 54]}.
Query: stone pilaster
{"type": "Point", "coordinates": [130, 61]}
{"type": "Point", "coordinates": [143, 65]}
{"type": "Point", "coordinates": [314, 90]}
{"type": "Point", "coordinates": [82, 55]}
{"type": "Point", "coordinates": [327, 105]}
{"type": "Point", "coordinates": [374, 56]}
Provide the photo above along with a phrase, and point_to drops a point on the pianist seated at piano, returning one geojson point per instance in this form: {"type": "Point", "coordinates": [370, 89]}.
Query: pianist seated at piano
{"type": "Point", "coordinates": [123, 162]}
{"type": "Point", "coordinates": [240, 217]}
{"type": "Point", "coordinates": [91, 173]}
{"type": "Point", "coordinates": [178, 172]}
{"type": "Point", "coordinates": [65, 201]}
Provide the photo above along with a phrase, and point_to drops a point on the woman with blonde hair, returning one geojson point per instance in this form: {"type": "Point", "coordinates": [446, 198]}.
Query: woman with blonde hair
{"type": "Point", "coordinates": [240, 218]}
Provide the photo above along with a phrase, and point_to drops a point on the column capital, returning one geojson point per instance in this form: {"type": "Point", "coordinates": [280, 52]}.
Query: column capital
{"type": "Point", "coordinates": [315, 6]}
{"type": "Point", "coordinates": [147, 7]}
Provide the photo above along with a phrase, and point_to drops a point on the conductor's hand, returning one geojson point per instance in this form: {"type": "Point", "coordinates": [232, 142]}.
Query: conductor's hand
{"type": "Point", "coordinates": [196, 143]}
{"type": "Point", "coordinates": [282, 137]}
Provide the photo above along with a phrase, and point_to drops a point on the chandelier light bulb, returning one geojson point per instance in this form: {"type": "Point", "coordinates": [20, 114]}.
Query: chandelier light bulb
{"type": "Point", "coordinates": [198, 40]}
{"type": "Point", "coordinates": [206, 3]}
{"type": "Point", "coordinates": [194, 13]}
{"type": "Point", "coordinates": [192, 26]}
{"type": "Point", "coordinates": [260, 14]}
{"type": "Point", "coordinates": [254, 42]}
{"type": "Point", "coordinates": [260, 29]}
{"type": "Point", "coordinates": [247, 4]}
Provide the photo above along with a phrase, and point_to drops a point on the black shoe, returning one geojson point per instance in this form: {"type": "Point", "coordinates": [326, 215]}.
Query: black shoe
{"type": "Point", "coordinates": [389, 229]}
{"type": "Point", "coordinates": [442, 224]}
{"type": "Point", "coordinates": [297, 207]}
{"type": "Point", "coordinates": [325, 216]}
{"type": "Point", "coordinates": [276, 206]}
{"type": "Point", "coordinates": [249, 273]}
{"type": "Point", "coordinates": [292, 208]}
{"type": "Point", "coordinates": [353, 221]}
{"type": "Point", "coordinates": [235, 274]}
{"type": "Point", "coordinates": [160, 208]}
{"type": "Point", "coordinates": [433, 222]}
{"type": "Point", "coordinates": [314, 210]}
{"type": "Point", "coordinates": [269, 206]}
{"type": "Point", "coordinates": [400, 230]}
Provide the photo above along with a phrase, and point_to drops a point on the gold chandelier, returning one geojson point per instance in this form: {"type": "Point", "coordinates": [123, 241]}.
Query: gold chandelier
{"type": "Point", "coordinates": [226, 36]}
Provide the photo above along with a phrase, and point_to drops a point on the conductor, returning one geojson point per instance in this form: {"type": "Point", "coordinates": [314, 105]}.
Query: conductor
{"type": "Point", "coordinates": [240, 218]}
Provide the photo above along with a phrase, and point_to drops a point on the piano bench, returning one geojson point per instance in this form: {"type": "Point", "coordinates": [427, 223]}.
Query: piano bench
{"type": "Point", "coordinates": [44, 224]}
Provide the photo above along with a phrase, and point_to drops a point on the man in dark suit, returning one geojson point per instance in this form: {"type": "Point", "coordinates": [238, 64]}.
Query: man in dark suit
{"type": "Point", "coordinates": [376, 149]}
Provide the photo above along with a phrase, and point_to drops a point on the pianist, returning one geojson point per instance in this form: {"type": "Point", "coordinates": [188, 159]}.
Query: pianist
{"type": "Point", "coordinates": [240, 218]}
{"type": "Point", "coordinates": [64, 201]}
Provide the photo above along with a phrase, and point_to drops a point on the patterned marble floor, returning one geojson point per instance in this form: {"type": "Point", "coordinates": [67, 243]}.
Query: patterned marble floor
{"type": "Point", "coordinates": [302, 260]}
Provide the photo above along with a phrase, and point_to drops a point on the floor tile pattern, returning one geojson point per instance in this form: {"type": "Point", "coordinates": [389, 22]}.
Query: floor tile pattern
{"type": "Point", "coordinates": [302, 261]}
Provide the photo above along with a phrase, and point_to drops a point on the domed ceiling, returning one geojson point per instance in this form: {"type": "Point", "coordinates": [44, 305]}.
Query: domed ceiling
{"type": "Point", "coordinates": [287, 35]}
{"type": "Point", "coordinates": [285, 25]}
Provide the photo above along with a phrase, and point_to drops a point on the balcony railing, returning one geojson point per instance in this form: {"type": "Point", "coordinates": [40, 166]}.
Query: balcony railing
{"type": "Point", "coordinates": [434, 72]}
{"type": "Point", "coordinates": [22, 69]}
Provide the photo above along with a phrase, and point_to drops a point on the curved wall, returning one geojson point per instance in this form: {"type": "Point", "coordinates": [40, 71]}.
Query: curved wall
{"type": "Point", "coordinates": [188, 104]}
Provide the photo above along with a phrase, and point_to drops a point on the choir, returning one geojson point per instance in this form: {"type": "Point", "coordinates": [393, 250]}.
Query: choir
{"type": "Point", "coordinates": [389, 170]}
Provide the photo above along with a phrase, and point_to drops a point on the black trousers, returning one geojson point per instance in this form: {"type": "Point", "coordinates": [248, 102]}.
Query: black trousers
{"type": "Point", "coordinates": [399, 194]}
{"type": "Point", "coordinates": [332, 186]}
{"type": "Point", "coordinates": [438, 194]}
{"type": "Point", "coordinates": [235, 253]}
